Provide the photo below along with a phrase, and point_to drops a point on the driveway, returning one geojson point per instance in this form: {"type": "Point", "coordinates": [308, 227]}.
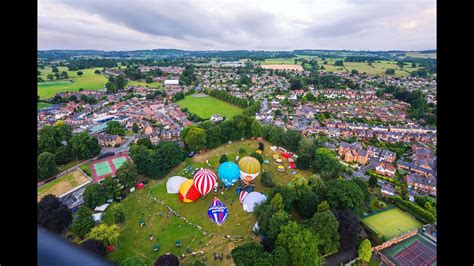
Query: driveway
{"type": "Point", "coordinates": [341, 256]}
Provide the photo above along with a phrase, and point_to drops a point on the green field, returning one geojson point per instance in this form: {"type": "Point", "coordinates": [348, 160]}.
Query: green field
{"type": "Point", "coordinates": [144, 84]}
{"type": "Point", "coordinates": [140, 204]}
{"type": "Point", "coordinates": [421, 55]}
{"type": "Point", "coordinates": [279, 61]}
{"type": "Point", "coordinates": [376, 68]}
{"type": "Point", "coordinates": [42, 105]}
{"type": "Point", "coordinates": [206, 106]}
{"type": "Point", "coordinates": [391, 223]}
{"type": "Point", "coordinates": [88, 81]}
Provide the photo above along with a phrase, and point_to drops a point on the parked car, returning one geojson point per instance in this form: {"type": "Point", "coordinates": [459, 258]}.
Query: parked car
{"type": "Point", "coordinates": [191, 154]}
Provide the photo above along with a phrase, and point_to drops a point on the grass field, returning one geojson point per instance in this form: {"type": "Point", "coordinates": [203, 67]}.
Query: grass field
{"type": "Point", "coordinates": [421, 55]}
{"type": "Point", "coordinates": [391, 223]}
{"type": "Point", "coordinates": [88, 81]}
{"type": "Point", "coordinates": [42, 105]}
{"type": "Point", "coordinates": [63, 184]}
{"type": "Point", "coordinates": [376, 68]}
{"type": "Point", "coordinates": [140, 204]}
{"type": "Point", "coordinates": [279, 61]}
{"type": "Point", "coordinates": [144, 84]}
{"type": "Point", "coordinates": [204, 107]}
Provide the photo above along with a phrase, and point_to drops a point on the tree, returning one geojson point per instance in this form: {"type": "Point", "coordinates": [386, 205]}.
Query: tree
{"type": "Point", "coordinates": [291, 139]}
{"type": "Point", "coordinates": [277, 220]}
{"type": "Point", "coordinates": [296, 84]}
{"type": "Point", "coordinates": [167, 155]}
{"type": "Point", "coordinates": [47, 139]}
{"type": "Point", "coordinates": [105, 233]}
{"type": "Point", "coordinates": [64, 75]}
{"type": "Point", "coordinates": [339, 63]}
{"type": "Point", "coordinates": [110, 87]}
{"type": "Point", "coordinates": [84, 146]}
{"type": "Point", "coordinates": [354, 72]}
{"type": "Point", "coordinates": [251, 254]}
{"type": "Point", "coordinates": [363, 185]}
{"type": "Point", "coordinates": [390, 71]}
{"type": "Point", "coordinates": [63, 132]}
{"type": "Point", "coordinates": [118, 213]}
{"type": "Point", "coordinates": [110, 188]}
{"type": "Point", "coordinates": [326, 164]}
{"type": "Point", "coordinates": [115, 128]}
{"type": "Point", "coordinates": [127, 174]}
{"type": "Point", "coordinates": [135, 128]}
{"type": "Point", "coordinates": [326, 228]}
{"type": "Point", "coordinates": [148, 79]}
{"type": "Point", "coordinates": [257, 156]}
{"type": "Point", "coordinates": [306, 203]}
{"type": "Point", "coordinates": [365, 250]}
{"type": "Point", "coordinates": [167, 260]}
{"type": "Point", "coordinates": [196, 139]}
{"type": "Point", "coordinates": [120, 82]}
{"type": "Point", "coordinates": [306, 153]}
{"type": "Point", "coordinates": [63, 155]}
{"type": "Point", "coordinates": [97, 71]}
{"type": "Point", "coordinates": [323, 206]}
{"type": "Point", "coordinates": [372, 181]}
{"type": "Point", "coordinates": [342, 194]}
{"type": "Point", "coordinates": [93, 196]}
{"type": "Point", "coordinates": [213, 136]}
{"type": "Point", "coordinates": [145, 142]}
{"type": "Point", "coordinates": [47, 165]}
{"type": "Point", "coordinates": [349, 228]}
{"type": "Point", "coordinates": [257, 129]}
{"type": "Point", "coordinates": [53, 214]}
{"type": "Point", "coordinates": [223, 159]}
{"type": "Point", "coordinates": [79, 73]}
{"type": "Point", "coordinates": [276, 135]}
{"type": "Point", "coordinates": [267, 180]}
{"type": "Point", "coordinates": [142, 158]}
{"type": "Point", "coordinates": [50, 77]}
{"type": "Point", "coordinates": [300, 243]}
{"type": "Point", "coordinates": [94, 246]}
{"type": "Point", "coordinates": [133, 261]}
{"type": "Point", "coordinates": [83, 222]}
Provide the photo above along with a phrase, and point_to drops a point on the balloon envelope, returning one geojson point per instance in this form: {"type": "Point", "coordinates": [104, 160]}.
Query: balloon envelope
{"type": "Point", "coordinates": [187, 192]}
{"type": "Point", "coordinates": [204, 181]}
{"type": "Point", "coordinates": [252, 200]}
{"type": "Point", "coordinates": [217, 211]}
{"type": "Point", "coordinates": [173, 184]}
{"type": "Point", "coordinates": [229, 173]}
{"type": "Point", "coordinates": [249, 168]}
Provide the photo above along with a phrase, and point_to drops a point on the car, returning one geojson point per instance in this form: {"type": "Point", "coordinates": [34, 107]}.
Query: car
{"type": "Point", "coordinates": [191, 154]}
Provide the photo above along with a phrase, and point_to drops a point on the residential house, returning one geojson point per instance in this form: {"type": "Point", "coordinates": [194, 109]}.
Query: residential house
{"type": "Point", "coordinates": [108, 140]}
{"type": "Point", "coordinates": [387, 156]}
{"type": "Point", "coordinates": [373, 152]}
{"type": "Point", "coordinates": [419, 183]}
{"type": "Point", "coordinates": [385, 169]}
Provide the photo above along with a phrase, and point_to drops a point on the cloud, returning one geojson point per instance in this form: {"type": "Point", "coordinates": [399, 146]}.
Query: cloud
{"type": "Point", "coordinates": [231, 24]}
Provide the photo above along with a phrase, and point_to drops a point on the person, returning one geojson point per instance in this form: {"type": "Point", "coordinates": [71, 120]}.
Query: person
{"type": "Point", "coordinates": [150, 237]}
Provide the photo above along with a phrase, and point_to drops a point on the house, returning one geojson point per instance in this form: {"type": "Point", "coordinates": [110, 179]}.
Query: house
{"type": "Point", "coordinates": [373, 152]}
{"type": "Point", "coordinates": [426, 184]}
{"type": "Point", "coordinates": [387, 156]}
{"type": "Point", "coordinates": [171, 82]}
{"type": "Point", "coordinates": [362, 157]}
{"type": "Point", "coordinates": [385, 169]}
{"type": "Point", "coordinates": [108, 140]}
{"type": "Point", "coordinates": [414, 168]}
{"type": "Point", "coordinates": [352, 153]}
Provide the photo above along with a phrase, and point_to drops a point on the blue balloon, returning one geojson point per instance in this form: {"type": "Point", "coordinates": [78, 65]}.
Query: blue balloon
{"type": "Point", "coordinates": [217, 211]}
{"type": "Point", "coordinates": [229, 173]}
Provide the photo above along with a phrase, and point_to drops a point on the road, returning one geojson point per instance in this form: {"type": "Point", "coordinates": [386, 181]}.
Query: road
{"type": "Point", "coordinates": [341, 256]}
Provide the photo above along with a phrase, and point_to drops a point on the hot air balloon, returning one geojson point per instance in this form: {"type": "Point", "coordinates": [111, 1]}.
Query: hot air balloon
{"type": "Point", "coordinates": [229, 173]}
{"type": "Point", "coordinates": [249, 168]}
{"type": "Point", "coordinates": [174, 183]}
{"type": "Point", "coordinates": [244, 193]}
{"type": "Point", "coordinates": [204, 181]}
{"type": "Point", "coordinates": [252, 200]}
{"type": "Point", "coordinates": [217, 211]}
{"type": "Point", "coordinates": [187, 192]}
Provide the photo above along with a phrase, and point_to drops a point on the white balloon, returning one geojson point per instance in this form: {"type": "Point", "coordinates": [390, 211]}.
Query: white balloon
{"type": "Point", "coordinates": [253, 199]}
{"type": "Point", "coordinates": [173, 184]}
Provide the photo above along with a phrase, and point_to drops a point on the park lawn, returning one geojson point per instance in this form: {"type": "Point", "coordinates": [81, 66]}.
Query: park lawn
{"type": "Point", "coordinates": [88, 81]}
{"type": "Point", "coordinates": [144, 84]}
{"type": "Point", "coordinates": [391, 223]}
{"type": "Point", "coordinates": [42, 105]}
{"type": "Point", "coordinates": [205, 107]}
{"type": "Point", "coordinates": [63, 184]}
{"type": "Point", "coordinates": [168, 229]}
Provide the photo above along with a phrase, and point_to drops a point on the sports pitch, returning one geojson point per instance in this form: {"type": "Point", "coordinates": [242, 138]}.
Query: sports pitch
{"type": "Point", "coordinates": [416, 250]}
{"type": "Point", "coordinates": [391, 223]}
{"type": "Point", "coordinates": [206, 106]}
{"type": "Point", "coordinates": [100, 169]}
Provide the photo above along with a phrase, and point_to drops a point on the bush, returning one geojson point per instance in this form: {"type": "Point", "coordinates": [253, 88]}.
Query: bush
{"type": "Point", "coordinates": [257, 156]}
{"type": "Point", "coordinates": [242, 151]}
{"type": "Point", "coordinates": [118, 214]}
{"type": "Point", "coordinates": [223, 159]}
{"type": "Point", "coordinates": [414, 209]}
{"type": "Point", "coordinates": [267, 180]}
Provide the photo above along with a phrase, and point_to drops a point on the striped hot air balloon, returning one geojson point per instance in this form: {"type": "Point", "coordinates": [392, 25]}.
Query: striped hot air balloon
{"type": "Point", "coordinates": [187, 192]}
{"type": "Point", "coordinates": [217, 211]}
{"type": "Point", "coordinates": [249, 168]}
{"type": "Point", "coordinates": [244, 193]}
{"type": "Point", "coordinates": [204, 181]}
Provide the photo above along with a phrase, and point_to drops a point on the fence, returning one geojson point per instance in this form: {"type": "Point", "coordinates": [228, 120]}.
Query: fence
{"type": "Point", "coordinates": [394, 240]}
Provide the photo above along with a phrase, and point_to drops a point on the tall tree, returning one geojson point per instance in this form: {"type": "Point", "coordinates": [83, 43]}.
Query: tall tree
{"type": "Point", "coordinates": [105, 233]}
{"type": "Point", "coordinates": [142, 158]}
{"type": "Point", "coordinates": [110, 188]}
{"type": "Point", "coordinates": [93, 196]}
{"type": "Point", "coordinates": [53, 214]}
{"type": "Point", "coordinates": [326, 164]}
{"type": "Point", "coordinates": [365, 250]}
{"type": "Point", "coordinates": [251, 254]}
{"type": "Point", "coordinates": [83, 222]}
{"type": "Point", "coordinates": [47, 139]}
{"type": "Point", "coordinates": [326, 228]}
{"type": "Point", "coordinates": [127, 174]}
{"type": "Point", "coordinates": [342, 194]}
{"type": "Point", "coordinates": [135, 128]}
{"type": "Point", "coordinates": [349, 228]}
{"type": "Point", "coordinates": [196, 139]}
{"type": "Point", "coordinates": [47, 165]}
{"type": "Point", "coordinates": [84, 146]}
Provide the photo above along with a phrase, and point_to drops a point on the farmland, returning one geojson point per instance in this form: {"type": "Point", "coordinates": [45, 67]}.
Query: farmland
{"type": "Point", "coordinates": [88, 81]}
{"type": "Point", "coordinates": [167, 228]}
{"type": "Point", "coordinates": [206, 106]}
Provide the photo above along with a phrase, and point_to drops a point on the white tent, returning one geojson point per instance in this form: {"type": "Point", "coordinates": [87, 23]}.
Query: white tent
{"type": "Point", "coordinates": [253, 199]}
{"type": "Point", "coordinates": [102, 207]}
{"type": "Point", "coordinates": [97, 217]}
{"type": "Point", "coordinates": [173, 184]}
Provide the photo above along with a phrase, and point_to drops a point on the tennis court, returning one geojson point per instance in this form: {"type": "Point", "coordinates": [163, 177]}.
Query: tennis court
{"type": "Point", "coordinates": [100, 169]}
{"type": "Point", "coordinates": [415, 250]}
{"type": "Point", "coordinates": [391, 223]}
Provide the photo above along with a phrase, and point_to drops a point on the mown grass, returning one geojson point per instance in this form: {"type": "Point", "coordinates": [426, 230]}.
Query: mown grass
{"type": "Point", "coordinates": [205, 107]}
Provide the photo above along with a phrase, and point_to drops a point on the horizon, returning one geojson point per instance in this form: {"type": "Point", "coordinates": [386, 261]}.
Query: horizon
{"type": "Point", "coordinates": [251, 50]}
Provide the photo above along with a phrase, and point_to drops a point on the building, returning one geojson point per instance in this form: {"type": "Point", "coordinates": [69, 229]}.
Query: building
{"type": "Point", "coordinates": [374, 152]}
{"type": "Point", "coordinates": [419, 183]}
{"type": "Point", "coordinates": [353, 153]}
{"type": "Point", "coordinates": [108, 140]}
{"type": "Point", "coordinates": [216, 118]}
{"type": "Point", "coordinates": [387, 156]}
{"type": "Point", "coordinates": [171, 82]}
{"type": "Point", "coordinates": [385, 169]}
{"type": "Point", "coordinates": [414, 168]}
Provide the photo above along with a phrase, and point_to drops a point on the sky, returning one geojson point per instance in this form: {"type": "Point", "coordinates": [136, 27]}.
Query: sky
{"type": "Point", "coordinates": [237, 25]}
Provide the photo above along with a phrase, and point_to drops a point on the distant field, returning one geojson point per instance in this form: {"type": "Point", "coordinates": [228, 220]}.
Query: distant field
{"type": "Point", "coordinates": [391, 223]}
{"type": "Point", "coordinates": [144, 84]}
{"type": "Point", "coordinates": [283, 67]}
{"type": "Point", "coordinates": [207, 106]}
{"type": "Point", "coordinates": [376, 68]}
{"type": "Point", "coordinates": [88, 81]}
{"type": "Point", "coordinates": [62, 185]}
{"type": "Point", "coordinates": [421, 55]}
{"type": "Point", "coordinates": [278, 61]}
{"type": "Point", "coordinates": [42, 105]}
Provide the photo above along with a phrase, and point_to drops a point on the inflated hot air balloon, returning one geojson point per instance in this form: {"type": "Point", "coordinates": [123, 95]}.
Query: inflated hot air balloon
{"type": "Point", "coordinates": [204, 181]}
{"type": "Point", "coordinates": [229, 173]}
{"type": "Point", "coordinates": [174, 183]}
{"type": "Point", "coordinates": [251, 200]}
{"type": "Point", "coordinates": [249, 168]}
{"type": "Point", "coordinates": [217, 211]}
{"type": "Point", "coordinates": [244, 193]}
{"type": "Point", "coordinates": [187, 192]}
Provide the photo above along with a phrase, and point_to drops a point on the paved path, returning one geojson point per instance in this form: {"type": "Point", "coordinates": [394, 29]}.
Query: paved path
{"type": "Point", "coordinates": [341, 256]}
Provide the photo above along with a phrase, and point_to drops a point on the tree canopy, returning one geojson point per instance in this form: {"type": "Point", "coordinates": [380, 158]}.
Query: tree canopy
{"type": "Point", "coordinates": [53, 214]}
